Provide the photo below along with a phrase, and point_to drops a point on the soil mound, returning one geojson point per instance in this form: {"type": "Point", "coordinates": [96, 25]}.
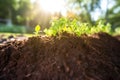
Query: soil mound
{"type": "Point", "coordinates": [67, 57]}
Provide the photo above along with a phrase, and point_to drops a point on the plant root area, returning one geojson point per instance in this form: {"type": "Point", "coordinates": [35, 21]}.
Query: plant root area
{"type": "Point", "coordinates": [66, 57]}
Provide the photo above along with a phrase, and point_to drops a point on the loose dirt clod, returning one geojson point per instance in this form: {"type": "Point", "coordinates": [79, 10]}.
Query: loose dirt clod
{"type": "Point", "coordinates": [67, 57]}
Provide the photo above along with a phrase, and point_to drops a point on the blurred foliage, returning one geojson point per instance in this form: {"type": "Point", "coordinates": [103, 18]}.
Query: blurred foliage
{"type": "Point", "coordinates": [85, 8]}
{"type": "Point", "coordinates": [23, 13]}
{"type": "Point", "coordinates": [114, 14]}
{"type": "Point", "coordinates": [117, 31]}
{"type": "Point", "coordinates": [110, 14]}
{"type": "Point", "coordinates": [6, 7]}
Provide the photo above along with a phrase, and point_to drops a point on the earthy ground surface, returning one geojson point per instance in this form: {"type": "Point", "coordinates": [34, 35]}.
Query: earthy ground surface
{"type": "Point", "coordinates": [67, 57]}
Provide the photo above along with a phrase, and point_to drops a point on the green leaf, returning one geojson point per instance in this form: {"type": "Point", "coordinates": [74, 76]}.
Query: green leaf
{"type": "Point", "coordinates": [37, 28]}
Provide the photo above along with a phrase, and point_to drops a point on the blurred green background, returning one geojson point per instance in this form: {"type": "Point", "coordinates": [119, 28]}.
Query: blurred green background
{"type": "Point", "coordinates": [21, 16]}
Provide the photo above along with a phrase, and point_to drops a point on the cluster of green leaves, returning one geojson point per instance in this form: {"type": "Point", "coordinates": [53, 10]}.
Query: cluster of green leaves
{"type": "Point", "coordinates": [75, 27]}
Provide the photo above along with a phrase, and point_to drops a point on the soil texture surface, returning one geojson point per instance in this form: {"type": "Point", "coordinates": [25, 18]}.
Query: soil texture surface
{"type": "Point", "coordinates": [66, 57]}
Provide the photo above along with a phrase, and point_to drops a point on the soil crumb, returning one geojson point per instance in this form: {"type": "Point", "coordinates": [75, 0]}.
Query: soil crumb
{"type": "Point", "coordinates": [66, 57]}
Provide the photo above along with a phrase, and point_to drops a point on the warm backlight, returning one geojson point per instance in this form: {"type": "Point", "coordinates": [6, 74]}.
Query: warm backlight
{"type": "Point", "coordinates": [52, 6]}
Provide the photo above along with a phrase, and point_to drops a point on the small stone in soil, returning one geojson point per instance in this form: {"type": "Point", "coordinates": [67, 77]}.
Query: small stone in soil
{"type": "Point", "coordinates": [11, 36]}
{"type": "Point", "coordinates": [3, 40]}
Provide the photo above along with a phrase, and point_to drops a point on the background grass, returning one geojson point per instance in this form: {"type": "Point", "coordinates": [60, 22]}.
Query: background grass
{"type": "Point", "coordinates": [12, 29]}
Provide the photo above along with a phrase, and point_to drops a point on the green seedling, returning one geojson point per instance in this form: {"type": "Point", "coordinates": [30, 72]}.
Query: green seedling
{"type": "Point", "coordinates": [75, 27]}
{"type": "Point", "coordinates": [37, 29]}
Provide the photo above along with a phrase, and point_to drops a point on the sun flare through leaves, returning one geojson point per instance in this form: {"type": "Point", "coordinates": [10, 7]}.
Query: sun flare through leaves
{"type": "Point", "coordinates": [52, 6]}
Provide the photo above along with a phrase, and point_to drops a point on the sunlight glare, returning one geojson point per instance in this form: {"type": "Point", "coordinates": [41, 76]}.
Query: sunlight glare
{"type": "Point", "coordinates": [52, 6]}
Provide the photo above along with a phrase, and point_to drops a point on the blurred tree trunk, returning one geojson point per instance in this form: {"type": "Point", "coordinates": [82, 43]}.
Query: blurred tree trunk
{"type": "Point", "coordinates": [107, 12]}
{"type": "Point", "coordinates": [27, 22]}
{"type": "Point", "coordinates": [9, 20]}
{"type": "Point", "coordinates": [88, 14]}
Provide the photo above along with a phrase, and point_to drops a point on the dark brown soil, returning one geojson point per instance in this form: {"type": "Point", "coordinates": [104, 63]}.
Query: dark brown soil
{"type": "Point", "coordinates": [67, 57]}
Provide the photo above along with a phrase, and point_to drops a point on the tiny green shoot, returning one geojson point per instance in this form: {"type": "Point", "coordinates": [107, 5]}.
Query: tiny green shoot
{"type": "Point", "coordinates": [37, 29]}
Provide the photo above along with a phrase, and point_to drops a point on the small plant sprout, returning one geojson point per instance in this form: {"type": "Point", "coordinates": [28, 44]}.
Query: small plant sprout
{"type": "Point", "coordinates": [76, 27]}
{"type": "Point", "coordinates": [37, 29]}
